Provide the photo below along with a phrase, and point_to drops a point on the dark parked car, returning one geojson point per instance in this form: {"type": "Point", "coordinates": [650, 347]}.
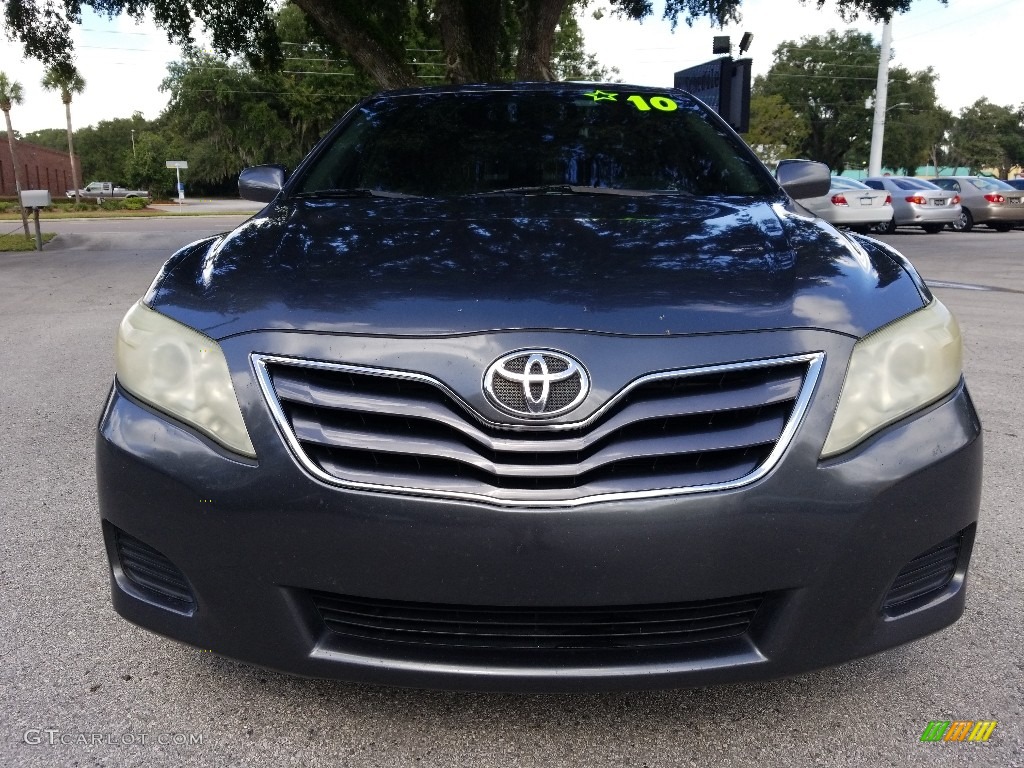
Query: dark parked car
{"type": "Point", "coordinates": [1016, 183]}
{"type": "Point", "coordinates": [538, 387]}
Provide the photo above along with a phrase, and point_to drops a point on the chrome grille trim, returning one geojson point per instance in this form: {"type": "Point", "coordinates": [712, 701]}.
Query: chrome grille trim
{"type": "Point", "coordinates": [813, 361]}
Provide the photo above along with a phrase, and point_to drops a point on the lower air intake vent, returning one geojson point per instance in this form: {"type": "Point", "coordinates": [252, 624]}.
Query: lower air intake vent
{"type": "Point", "coordinates": [524, 630]}
{"type": "Point", "coordinates": [927, 574]}
{"type": "Point", "coordinates": [153, 574]}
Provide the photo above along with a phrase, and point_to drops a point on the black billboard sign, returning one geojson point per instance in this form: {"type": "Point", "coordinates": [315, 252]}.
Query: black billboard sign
{"type": "Point", "coordinates": [722, 84]}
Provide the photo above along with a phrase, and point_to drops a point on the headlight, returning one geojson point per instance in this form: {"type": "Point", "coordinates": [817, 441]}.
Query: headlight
{"type": "Point", "coordinates": [895, 371]}
{"type": "Point", "coordinates": [181, 372]}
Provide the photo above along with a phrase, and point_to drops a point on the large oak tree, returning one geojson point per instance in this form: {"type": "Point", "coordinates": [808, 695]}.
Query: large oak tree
{"type": "Point", "coordinates": [987, 135]}
{"type": "Point", "coordinates": [827, 83]}
{"type": "Point", "coordinates": [374, 33]}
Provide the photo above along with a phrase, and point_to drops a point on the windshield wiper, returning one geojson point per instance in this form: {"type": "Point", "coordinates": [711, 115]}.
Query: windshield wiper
{"type": "Point", "coordinates": [569, 189]}
{"type": "Point", "coordinates": [351, 192]}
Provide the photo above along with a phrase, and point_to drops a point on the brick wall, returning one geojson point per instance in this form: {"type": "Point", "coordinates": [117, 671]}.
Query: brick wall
{"type": "Point", "coordinates": [41, 168]}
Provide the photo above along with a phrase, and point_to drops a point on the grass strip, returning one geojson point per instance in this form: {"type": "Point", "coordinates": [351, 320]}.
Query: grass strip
{"type": "Point", "coordinates": [18, 241]}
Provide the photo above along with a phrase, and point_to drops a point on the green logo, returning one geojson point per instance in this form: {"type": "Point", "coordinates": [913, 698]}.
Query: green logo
{"type": "Point", "coordinates": [934, 731]}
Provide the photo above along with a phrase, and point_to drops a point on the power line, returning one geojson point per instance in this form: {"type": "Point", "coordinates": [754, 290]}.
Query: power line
{"type": "Point", "coordinates": [822, 77]}
{"type": "Point", "coordinates": [828, 65]}
{"type": "Point", "coordinates": [973, 16]}
{"type": "Point", "coordinates": [113, 32]}
{"type": "Point", "coordinates": [114, 48]}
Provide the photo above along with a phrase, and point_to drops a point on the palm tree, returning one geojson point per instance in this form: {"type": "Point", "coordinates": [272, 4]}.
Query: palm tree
{"type": "Point", "coordinates": [10, 93]}
{"type": "Point", "coordinates": [67, 80]}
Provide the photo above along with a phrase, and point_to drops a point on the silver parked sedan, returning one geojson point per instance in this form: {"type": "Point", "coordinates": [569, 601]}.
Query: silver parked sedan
{"type": "Point", "coordinates": [917, 203]}
{"type": "Point", "coordinates": [849, 203]}
{"type": "Point", "coordinates": [985, 200]}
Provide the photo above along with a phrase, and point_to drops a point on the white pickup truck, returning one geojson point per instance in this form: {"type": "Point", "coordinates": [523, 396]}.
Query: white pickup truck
{"type": "Point", "coordinates": [105, 189]}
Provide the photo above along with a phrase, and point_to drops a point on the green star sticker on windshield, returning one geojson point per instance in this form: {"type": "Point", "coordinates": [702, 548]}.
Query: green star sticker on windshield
{"type": "Point", "coordinates": [601, 96]}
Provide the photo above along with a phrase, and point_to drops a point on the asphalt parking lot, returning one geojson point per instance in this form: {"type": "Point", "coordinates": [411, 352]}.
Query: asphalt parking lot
{"type": "Point", "coordinates": [79, 686]}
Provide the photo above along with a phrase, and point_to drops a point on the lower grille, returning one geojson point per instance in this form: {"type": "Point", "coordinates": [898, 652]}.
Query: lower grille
{"type": "Point", "coordinates": [155, 575]}
{"type": "Point", "coordinates": [489, 628]}
{"type": "Point", "coordinates": [927, 574]}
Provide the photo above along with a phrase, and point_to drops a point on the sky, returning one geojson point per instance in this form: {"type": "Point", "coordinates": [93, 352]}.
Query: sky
{"type": "Point", "coordinates": [967, 42]}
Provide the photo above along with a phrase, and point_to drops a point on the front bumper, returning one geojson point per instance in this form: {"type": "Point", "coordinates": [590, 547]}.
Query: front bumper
{"type": "Point", "coordinates": [819, 544]}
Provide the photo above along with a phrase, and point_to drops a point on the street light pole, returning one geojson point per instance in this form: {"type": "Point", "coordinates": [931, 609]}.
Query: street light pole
{"type": "Point", "coordinates": [881, 94]}
{"type": "Point", "coordinates": [133, 142]}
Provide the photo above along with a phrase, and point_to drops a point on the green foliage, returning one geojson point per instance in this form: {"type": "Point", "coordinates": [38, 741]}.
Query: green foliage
{"type": "Point", "coordinates": [571, 60]}
{"type": "Point", "coordinates": [51, 138]}
{"type": "Point", "coordinates": [225, 114]}
{"type": "Point", "coordinates": [986, 136]}
{"type": "Point", "coordinates": [914, 124]}
{"type": "Point", "coordinates": [479, 38]}
{"type": "Point", "coordinates": [11, 92]}
{"type": "Point", "coordinates": [776, 131]}
{"type": "Point", "coordinates": [105, 147]}
{"type": "Point", "coordinates": [317, 84]}
{"type": "Point", "coordinates": [229, 115]}
{"type": "Point", "coordinates": [134, 203]}
{"type": "Point", "coordinates": [828, 84]}
{"type": "Point", "coordinates": [65, 78]}
{"type": "Point", "coordinates": [118, 204]}
{"type": "Point", "coordinates": [145, 167]}
{"type": "Point", "coordinates": [722, 12]}
{"type": "Point", "coordinates": [825, 80]}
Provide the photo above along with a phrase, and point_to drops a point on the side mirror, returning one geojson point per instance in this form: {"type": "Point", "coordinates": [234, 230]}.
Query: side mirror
{"type": "Point", "coordinates": [261, 183]}
{"type": "Point", "coordinates": [803, 178]}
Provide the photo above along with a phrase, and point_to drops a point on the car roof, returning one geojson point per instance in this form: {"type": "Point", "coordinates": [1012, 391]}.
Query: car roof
{"type": "Point", "coordinates": [906, 182]}
{"type": "Point", "coordinates": [559, 86]}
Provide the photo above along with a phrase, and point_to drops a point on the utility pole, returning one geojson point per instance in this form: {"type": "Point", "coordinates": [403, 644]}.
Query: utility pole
{"type": "Point", "coordinates": [881, 95]}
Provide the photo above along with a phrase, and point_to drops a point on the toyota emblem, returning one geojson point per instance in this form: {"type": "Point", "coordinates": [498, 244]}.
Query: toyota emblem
{"type": "Point", "coordinates": [536, 383]}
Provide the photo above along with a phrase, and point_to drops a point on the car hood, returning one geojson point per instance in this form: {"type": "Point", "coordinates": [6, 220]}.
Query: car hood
{"type": "Point", "coordinates": [657, 265]}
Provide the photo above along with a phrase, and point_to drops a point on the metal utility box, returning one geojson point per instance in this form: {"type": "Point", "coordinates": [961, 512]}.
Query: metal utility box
{"type": "Point", "coordinates": [35, 198]}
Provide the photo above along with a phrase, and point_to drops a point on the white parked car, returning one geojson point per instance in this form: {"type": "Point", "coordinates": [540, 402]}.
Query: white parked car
{"type": "Point", "coordinates": [849, 203]}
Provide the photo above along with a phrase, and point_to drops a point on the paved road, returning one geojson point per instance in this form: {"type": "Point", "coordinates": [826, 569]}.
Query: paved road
{"type": "Point", "coordinates": [210, 205]}
{"type": "Point", "coordinates": [72, 666]}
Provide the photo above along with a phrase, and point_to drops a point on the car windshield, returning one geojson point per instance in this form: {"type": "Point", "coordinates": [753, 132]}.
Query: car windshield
{"type": "Point", "coordinates": [914, 184]}
{"type": "Point", "coordinates": [987, 184]}
{"type": "Point", "coordinates": [582, 140]}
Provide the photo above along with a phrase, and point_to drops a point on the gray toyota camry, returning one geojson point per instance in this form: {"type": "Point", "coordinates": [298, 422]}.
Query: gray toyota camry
{"type": "Point", "coordinates": [545, 387]}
